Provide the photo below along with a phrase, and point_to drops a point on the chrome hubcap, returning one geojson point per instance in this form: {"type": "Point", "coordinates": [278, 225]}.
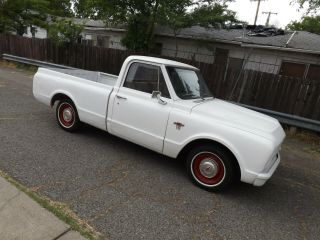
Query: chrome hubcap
{"type": "Point", "coordinates": [208, 168]}
{"type": "Point", "coordinates": [67, 114]}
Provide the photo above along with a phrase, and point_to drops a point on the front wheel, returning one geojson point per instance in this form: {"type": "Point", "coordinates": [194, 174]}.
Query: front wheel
{"type": "Point", "coordinates": [67, 116]}
{"type": "Point", "coordinates": [211, 167]}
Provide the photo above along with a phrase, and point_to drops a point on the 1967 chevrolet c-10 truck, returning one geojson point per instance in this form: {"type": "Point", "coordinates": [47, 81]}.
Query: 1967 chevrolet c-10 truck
{"type": "Point", "coordinates": [167, 107]}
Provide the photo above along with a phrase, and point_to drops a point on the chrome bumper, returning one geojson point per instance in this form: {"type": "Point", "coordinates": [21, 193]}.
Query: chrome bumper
{"type": "Point", "coordinates": [262, 178]}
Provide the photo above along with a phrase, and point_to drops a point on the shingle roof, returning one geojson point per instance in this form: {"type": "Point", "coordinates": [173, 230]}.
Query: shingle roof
{"type": "Point", "coordinates": [90, 22]}
{"type": "Point", "coordinates": [98, 24]}
{"type": "Point", "coordinates": [301, 40]}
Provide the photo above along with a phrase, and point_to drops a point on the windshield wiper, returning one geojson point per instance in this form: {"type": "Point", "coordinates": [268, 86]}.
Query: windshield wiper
{"type": "Point", "coordinates": [206, 96]}
{"type": "Point", "coordinates": [202, 99]}
{"type": "Point", "coordinates": [191, 95]}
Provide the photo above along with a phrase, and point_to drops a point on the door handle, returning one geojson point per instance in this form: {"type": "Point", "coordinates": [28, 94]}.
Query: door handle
{"type": "Point", "coordinates": [120, 97]}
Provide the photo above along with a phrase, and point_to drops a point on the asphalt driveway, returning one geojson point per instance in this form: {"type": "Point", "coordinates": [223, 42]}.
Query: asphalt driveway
{"type": "Point", "coordinates": [127, 192]}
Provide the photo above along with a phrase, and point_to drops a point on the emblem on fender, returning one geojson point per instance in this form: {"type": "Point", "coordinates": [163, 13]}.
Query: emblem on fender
{"type": "Point", "coordinates": [179, 125]}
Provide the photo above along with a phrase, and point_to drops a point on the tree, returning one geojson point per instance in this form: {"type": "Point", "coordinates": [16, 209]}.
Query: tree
{"type": "Point", "coordinates": [213, 15]}
{"type": "Point", "coordinates": [206, 13]}
{"type": "Point", "coordinates": [17, 15]}
{"type": "Point", "coordinates": [61, 8]}
{"type": "Point", "coordinates": [86, 8]}
{"type": "Point", "coordinates": [177, 19]}
{"type": "Point", "coordinates": [141, 17]}
{"type": "Point", "coordinates": [310, 24]}
{"type": "Point", "coordinates": [64, 31]}
{"type": "Point", "coordinates": [314, 5]}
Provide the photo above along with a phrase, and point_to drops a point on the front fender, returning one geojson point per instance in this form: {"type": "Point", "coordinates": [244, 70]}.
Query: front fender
{"type": "Point", "coordinates": [251, 152]}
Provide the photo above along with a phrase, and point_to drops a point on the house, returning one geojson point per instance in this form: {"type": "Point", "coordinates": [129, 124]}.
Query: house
{"type": "Point", "coordinates": [294, 54]}
{"type": "Point", "coordinates": [102, 35]}
{"type": "Point", "coordinates": [35, 32]}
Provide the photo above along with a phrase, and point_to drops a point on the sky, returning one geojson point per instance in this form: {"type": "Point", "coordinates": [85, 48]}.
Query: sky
{"type": "Point", "coordinates": [246, 10]}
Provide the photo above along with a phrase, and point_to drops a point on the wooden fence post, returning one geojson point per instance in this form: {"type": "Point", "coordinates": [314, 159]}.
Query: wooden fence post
{"type": "Point", "coordinates": [244, 82]}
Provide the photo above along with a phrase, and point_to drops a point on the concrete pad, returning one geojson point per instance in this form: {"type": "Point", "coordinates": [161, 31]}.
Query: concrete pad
{"type": "Point", "coordinates": [72, 235]}
{"type": "Point", "coordinates": [7, 192]}
{"type": "Point", "coordinates": [22, 218]}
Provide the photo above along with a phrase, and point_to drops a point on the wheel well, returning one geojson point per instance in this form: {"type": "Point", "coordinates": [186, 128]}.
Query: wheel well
{"type": "Point", "coordinates": [198, 142]}
{"type": "Point", "coordinates": [58, 97]}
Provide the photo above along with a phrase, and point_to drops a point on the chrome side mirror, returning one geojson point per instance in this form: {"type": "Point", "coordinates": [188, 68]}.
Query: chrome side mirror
{"type": "Point", "coordinates": [157, 95]}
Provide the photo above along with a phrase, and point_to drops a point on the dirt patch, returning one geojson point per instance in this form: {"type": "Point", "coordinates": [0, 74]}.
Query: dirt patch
{"type": "Point", "coordinates": [307, 141]}
{"type": "Point", "coordinates": [19, 66]}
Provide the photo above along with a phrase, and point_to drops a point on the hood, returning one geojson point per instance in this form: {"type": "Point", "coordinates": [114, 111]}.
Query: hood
{"type": "Point", "coordinates": [236, 116]}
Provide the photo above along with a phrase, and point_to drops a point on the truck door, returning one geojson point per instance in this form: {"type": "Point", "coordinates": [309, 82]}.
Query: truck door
{"type": "Point", "coordinates": [139, 113]}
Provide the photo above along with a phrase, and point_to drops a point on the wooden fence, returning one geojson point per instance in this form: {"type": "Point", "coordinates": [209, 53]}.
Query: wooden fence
{"type": "Point", "coordinates": [275, 92]}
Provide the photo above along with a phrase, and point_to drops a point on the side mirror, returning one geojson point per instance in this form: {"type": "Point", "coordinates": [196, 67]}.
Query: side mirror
{"type": "Point", "coordinates": [157, 95]}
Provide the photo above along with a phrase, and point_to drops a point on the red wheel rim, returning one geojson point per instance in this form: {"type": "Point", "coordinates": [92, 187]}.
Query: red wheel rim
{"type": "Point", "coordinates": [208, 169]}
{"type": "Point", "coordinates": [66, 115]}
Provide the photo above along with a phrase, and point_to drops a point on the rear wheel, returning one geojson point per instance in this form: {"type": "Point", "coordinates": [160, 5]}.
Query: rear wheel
{"type": "Point", "coordinates": [211, 167]}
{"type": "Point", "coordinates": [67, 115]}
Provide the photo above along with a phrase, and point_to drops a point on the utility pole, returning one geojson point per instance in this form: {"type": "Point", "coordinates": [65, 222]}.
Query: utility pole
{"type": "Point", "coordinates": [257, 13]}
{"type": "Point", "coordinates": [269, 15]}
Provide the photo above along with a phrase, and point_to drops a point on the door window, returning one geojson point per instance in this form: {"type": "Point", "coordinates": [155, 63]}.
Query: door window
{"type": "Point", "coordinates": [146, 78]}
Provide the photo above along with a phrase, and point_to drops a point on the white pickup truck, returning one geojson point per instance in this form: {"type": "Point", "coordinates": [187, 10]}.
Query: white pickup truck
{"type": "Point", "coordinates": [166, 106]}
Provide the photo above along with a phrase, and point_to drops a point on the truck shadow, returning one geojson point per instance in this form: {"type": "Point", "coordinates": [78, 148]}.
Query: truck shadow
{"type": "Point", "coordinates": [284, 180]}
{"type": "Point", "coordinates": [177, 166]}
{"type": "Point", "coordinates": [132, 149]}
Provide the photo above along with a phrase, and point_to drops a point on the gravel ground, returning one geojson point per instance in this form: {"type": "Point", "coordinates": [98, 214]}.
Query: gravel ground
{"type": "Point", "coordinates": [127, 192]}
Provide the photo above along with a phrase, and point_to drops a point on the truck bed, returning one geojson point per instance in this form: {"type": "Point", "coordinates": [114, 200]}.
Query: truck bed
{"type": "Point", "coordinates": [88, 90]}
{"type": "Point", "coordinates": [104, 78]}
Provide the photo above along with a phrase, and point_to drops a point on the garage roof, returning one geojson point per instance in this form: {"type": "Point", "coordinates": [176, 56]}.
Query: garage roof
{"type": "Point", "coordinates": [300, 40]}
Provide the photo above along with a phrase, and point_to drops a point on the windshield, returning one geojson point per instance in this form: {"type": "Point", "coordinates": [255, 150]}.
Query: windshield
{"type": "Point", "coordinates": [188, 83]}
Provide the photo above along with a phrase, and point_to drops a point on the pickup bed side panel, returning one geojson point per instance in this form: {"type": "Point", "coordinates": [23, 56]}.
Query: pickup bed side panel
{"type": "Point", "coordinates": [90, 98]}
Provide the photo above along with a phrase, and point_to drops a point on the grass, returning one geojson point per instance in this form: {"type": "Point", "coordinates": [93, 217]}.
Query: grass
{"type": "Point", "coordinates": [31, 69]}
{"type": "Point", "coordinates": [310, 138]}
{"type": "Point", "coordinates": [62, 211]}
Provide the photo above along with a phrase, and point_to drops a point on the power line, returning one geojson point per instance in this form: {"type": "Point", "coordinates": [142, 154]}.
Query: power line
{"type": "Point", "coordinates": [269, 15]}
{"type": "Point", "coordinates": [257, 13]}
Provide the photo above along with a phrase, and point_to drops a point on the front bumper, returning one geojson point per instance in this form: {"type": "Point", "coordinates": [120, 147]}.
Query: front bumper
{"type": "Point", "coordinates": [262, 178]}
